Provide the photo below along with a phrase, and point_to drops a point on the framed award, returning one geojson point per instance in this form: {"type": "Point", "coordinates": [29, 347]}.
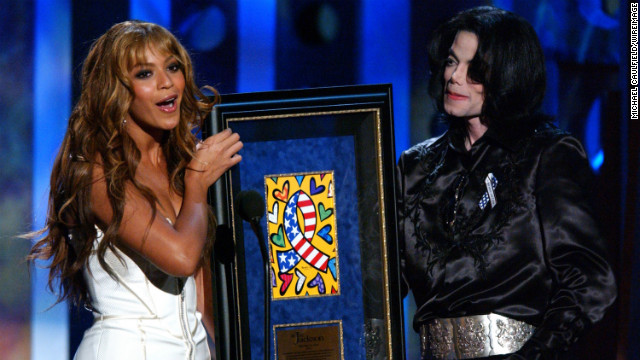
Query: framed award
{"type": "Point", "coordinates": [323, 162]}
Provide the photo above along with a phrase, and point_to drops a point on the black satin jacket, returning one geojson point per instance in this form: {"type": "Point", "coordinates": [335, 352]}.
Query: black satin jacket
{"type": "Point", "coordinates": [533, 253]}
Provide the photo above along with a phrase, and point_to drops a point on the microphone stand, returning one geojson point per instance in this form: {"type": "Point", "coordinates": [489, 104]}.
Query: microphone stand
{"type": "Point", "coordinates": [267, 285]}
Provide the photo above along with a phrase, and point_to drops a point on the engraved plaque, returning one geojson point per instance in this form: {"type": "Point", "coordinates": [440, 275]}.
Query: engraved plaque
{"type": "Point", "coordinates": [322, 342]}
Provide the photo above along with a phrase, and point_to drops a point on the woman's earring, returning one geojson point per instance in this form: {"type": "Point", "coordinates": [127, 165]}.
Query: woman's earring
{"type": "Point", "coordinates": [124, 122]}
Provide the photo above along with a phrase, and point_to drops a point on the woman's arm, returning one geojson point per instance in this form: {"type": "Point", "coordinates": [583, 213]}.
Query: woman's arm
{"type": "Point", "coordinates": [176, 249]}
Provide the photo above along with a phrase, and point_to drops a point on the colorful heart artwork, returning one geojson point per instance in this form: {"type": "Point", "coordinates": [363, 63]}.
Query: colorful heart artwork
{"type": "Point", "coordinates": [300, 282]}
{"type": "Point", "coordinates": [282, 195]}
{"type": "Point", "coordinates": [278, 238]}
{"type": "Point", "coordinates": [303, 241]}
{"type": "Point", "coordinates": [325, 234]}
{"type": "Point", "coordinates": [272, 216]}
{"type": "Point", "coordinates": [313, 189]}
{"type": "Point", "coordinates": [286, 281]}
{"type": "Point", "coordinates": [324, 213]}
{"type": "Point", "coordinates": [317, 281]}
{"type": "Point", "coordinates": [273, 278]}
{"type": "Point", "coordinates": [332, 268]}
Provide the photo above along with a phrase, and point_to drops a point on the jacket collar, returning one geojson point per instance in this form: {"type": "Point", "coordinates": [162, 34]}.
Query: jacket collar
{"type": "Point", "coordinates": [509, 137]}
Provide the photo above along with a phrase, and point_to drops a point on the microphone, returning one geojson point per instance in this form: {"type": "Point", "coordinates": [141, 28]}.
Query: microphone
{"type": "Point", "coordinates": [250, 207]}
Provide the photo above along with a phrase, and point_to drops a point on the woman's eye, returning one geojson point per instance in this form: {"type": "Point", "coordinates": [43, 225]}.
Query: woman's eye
{"type": "Point", "coordinates": [175, 67]}
{"type": "Point", "coordinates": [143, 74]}
{"type": "Point", "coordinates": [449, 61]}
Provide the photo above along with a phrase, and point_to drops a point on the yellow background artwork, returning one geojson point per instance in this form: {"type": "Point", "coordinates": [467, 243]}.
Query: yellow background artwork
{"type": "Point", "coordinates": [303, 242]}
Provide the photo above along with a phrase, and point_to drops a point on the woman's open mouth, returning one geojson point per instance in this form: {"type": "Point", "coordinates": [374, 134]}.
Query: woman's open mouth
{"type": "Point", "coordinates": [169, 104]}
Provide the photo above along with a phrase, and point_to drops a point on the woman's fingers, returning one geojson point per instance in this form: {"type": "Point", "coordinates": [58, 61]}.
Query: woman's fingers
{"type": "Point", "coordinates": [223, 139]}
{"type": "Point", "coordinates": [225, 144]}
{"type": "Point", "coordinates": [235, 159]}
{"type": "Point", "coordinates": [219, 152]}
{"type": "Point", "coordinates": [234, 147]}
{"type": "Point", "coordinates": [216, 138]}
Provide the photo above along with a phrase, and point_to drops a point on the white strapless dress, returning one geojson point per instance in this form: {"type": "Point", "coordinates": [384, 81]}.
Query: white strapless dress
{"type": "Point", "coordinates": [142, 313]}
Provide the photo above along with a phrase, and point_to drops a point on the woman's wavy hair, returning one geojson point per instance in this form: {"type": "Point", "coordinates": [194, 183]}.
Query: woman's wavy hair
{"type": "Point", "coordinates": [96, 132]}
{"type": "Point", "coordinates": [509, 63]}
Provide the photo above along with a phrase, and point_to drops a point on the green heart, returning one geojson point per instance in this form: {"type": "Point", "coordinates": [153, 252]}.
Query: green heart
{"type": "Point", "coordinates": [324, 213]}
{"type": "Point", "coordinates": [278, 239]}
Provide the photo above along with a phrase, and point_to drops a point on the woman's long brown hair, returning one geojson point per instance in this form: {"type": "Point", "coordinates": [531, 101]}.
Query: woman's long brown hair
{"type": "Point", "coordinates": [96, 136]}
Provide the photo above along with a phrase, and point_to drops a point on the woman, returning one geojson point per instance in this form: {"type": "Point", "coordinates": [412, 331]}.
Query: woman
{"type": "Point", "coordinates": [129, 228]}
{"type": "Point", "coordinates": [498, 240]}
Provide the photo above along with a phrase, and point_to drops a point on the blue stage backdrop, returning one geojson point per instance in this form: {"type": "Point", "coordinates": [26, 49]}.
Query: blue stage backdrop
{"type": "Point", "coordinates": [250, 45]}
{"type": "Point", "coordinates": [16, 122]}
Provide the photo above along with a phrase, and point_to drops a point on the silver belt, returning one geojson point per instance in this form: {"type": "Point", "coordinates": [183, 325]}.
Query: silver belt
{"type": "Point", "coordinates": [471, 337]}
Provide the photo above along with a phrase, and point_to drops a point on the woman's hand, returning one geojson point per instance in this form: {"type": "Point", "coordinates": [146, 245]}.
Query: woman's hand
{"type": "Point", "coordinates": [215, 155]}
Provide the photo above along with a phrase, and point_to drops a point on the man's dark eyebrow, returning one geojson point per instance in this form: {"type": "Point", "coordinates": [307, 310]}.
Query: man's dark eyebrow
{"type": "Point", "coordinates": [452, 53]}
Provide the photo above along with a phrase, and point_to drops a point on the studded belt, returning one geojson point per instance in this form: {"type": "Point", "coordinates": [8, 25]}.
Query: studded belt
{"type": "Point", "coordinates": [471, 337]}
